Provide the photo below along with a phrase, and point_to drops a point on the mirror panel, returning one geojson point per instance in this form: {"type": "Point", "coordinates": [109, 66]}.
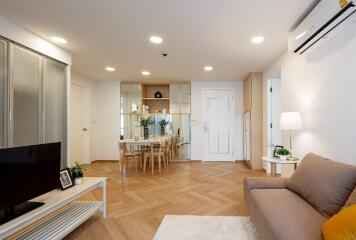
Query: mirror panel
{"type": "Point", "coordinates": [175, 98]}
{"type": "Point", "coordinates": [125, 95]}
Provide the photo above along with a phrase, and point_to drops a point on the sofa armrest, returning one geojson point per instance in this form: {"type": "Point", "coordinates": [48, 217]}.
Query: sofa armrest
{"type": "Point", "coordinates": [251, 183]}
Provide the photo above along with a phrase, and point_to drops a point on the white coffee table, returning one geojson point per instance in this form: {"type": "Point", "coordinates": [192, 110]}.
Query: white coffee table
{"type": "Point", "coordinates": [274, 161]}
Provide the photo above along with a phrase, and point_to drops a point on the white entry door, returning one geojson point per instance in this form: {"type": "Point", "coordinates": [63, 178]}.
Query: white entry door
{"type": "Point", "coordinates": [79, 115]}
{"type": "Point", "coordinates": [218, 124]}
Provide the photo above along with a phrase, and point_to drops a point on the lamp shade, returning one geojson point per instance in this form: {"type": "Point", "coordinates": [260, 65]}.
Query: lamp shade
{"type": "Point", "coordinates": [291, 121]}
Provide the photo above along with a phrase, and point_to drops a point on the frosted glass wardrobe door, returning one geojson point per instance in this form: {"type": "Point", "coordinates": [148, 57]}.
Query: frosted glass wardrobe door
{"type": "Point", "coordinates": [25, 96]}
{"type": "Point", "coordinates": [54, 85]}
{"type": "Point", "coordinates": [54, 104]}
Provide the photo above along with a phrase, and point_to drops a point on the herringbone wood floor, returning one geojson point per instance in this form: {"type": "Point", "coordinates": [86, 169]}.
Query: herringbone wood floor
{"type": "Point", "coordinates": [138, 202]}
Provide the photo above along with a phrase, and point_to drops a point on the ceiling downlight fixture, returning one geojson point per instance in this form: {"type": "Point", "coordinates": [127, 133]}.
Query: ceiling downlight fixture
{"type": "Point", "coordinates": [156, 39]}
{"type": "Point", "coordinates": [59, 40]}
{"type": "Point", "coordinates": [208, 68]}
{"type": "Point", "coordinates": [257, 39]}
{"type": "Point", "coordinates": [145, 73]}
{"type": "Point", "coordinates": [110, 69]}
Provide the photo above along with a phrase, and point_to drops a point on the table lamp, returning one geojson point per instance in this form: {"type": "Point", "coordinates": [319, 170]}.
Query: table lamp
{"type": "Point", "coordinates": [291, 121]}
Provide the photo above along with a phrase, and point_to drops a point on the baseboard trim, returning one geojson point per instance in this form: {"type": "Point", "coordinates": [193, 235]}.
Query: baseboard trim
{"type": "Point", "coordinates": [94, 161]}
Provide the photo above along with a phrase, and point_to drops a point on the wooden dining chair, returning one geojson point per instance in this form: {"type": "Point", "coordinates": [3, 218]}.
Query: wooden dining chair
{"type": "Point", "coordinates": [167, 152]}
{"type": "Point", "coordinates": [126, 155]}
{"type": "Point", "coordinates": [176, 145]}
{"type": "Point", "coordinates": [171, 147]}
{"type": "Point", "coordinates": [158, 155]}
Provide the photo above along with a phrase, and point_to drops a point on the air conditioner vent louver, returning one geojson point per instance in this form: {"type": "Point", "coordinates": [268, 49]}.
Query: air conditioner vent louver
{"type": "Point", "coordinates": [327, 17]}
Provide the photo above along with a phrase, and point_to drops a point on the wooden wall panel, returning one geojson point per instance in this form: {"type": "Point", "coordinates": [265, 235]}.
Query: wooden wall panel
{"type": "Point", "coordinates": [253, 102]}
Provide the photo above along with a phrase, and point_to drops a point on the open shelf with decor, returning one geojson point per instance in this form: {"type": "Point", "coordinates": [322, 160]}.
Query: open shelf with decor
{"type": "Point", "coordinates": [155, 98]}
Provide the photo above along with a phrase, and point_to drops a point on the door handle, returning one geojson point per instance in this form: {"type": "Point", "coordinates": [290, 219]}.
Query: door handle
{"type": "Point", "coordinates": [85, 129]}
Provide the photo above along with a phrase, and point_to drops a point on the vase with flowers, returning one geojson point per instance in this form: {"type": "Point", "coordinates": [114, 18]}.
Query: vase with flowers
{"type": "Point", "coordinates": [145, 123]}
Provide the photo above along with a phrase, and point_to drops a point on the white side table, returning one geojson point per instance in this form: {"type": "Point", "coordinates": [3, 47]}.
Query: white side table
{"type": "Point", "coordinates": [274, 161]}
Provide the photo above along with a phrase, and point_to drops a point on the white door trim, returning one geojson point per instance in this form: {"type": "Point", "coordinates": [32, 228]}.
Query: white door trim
{"type": "Point", "coordinates": [203, 94]}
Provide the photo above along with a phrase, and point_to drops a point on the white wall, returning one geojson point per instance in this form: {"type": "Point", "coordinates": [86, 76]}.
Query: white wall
{"type": "Point", "coordinates": [196, 116]}
{"type": "Point", "coordinates": [104, 117]}
{"type": "Point", "coordinates": [322, 85]}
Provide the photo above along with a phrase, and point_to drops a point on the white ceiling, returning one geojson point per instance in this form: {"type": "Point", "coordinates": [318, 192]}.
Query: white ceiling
{"type": "Point", "coordinates": [195, 33]}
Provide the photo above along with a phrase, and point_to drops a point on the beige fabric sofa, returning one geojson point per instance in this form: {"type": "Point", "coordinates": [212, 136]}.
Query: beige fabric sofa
{"type": "Point", "coordinates": [296, 208]}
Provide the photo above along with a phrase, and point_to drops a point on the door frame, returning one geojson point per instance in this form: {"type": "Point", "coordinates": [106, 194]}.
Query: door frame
{"type": "Point", "coordinates": [270, 115]}
{"type": "Point", "coordinates": [87, 140]}
{"type": "Point", "coordinates": [203, 94]}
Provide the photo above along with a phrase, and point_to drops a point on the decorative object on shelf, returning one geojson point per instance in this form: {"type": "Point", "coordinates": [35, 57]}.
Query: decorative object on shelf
{"type": "Point", "coordinates": [136, 138]}
{"type": "Point", "coordinates": [164, 111]}
{"type": "Point", "coordinates": [275, 148]}
{"type": "Point", "coordinates": [282, 153]}
{"type": "Point", "coordinates": [145, 109]}
{"type": "Point", "coordinates": [77, 173]}
{"type": "Point", "coordinates": [163, 123]}
{"type": "Point", "coordinates": [65, 179]}
{"type": "Point", "coordinates": [291, 121]}
{"type": "Point", "coordinates": [158, 94]}
{"type": "Point", "coordinates": [145, 123]}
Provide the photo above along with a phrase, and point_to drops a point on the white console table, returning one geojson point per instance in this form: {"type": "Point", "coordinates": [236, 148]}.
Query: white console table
{"type": "Point", "coordinates": [60, 214]}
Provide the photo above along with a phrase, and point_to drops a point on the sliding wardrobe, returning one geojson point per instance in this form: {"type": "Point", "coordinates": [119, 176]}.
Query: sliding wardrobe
{"type": "Point", "coordinates": [33, 90]}
{"type": "Point", "coordinates": [3, 92]}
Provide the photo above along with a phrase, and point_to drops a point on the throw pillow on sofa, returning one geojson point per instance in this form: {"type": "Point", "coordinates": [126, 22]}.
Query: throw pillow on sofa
{"type": "Point", "coordinates": [324, 183]}
{"type": "Point", "coordinates": [341, 226]}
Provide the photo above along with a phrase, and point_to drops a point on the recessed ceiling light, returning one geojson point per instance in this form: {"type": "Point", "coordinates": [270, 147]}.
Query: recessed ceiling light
{"type": "Point", "coordinates": [110, 69]}
{"type": "Point", "coordinates": [145, 73]}
{"type": "Point", "coordinates": [208, 68]}
{"type": "Point", "coordinates": [156, 39]}
{"type": "Point", "coordinates": [257, 39]}
{"type": "Point", "coordinates": [59, 40]}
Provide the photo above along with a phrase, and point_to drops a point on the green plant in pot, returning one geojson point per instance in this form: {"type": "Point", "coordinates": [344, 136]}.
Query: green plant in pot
{"type": "Point", "coordinates": [163, 123]}
{"type": "Point", "coordinates": [77, 173]}
{"type": "Point", "coordinates": [145, 123]}
{"type": "Point", "coordinates": [283, 153]}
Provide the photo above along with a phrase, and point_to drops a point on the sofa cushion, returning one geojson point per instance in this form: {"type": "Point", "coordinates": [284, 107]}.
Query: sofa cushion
{"type": "Point", "coordinates": [352, 198]}
{"type": "Point", "coordinates": [324, 183]}
{"type": "Point", "coordinates": [280, 214]}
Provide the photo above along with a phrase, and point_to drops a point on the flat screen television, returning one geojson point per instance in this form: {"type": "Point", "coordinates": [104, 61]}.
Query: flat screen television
{"type": "Point", "coordinates": [25, 173]}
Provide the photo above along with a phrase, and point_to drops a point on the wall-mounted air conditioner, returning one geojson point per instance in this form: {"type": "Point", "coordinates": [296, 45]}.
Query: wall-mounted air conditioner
{"type": "Point", "coordinates": [327, 18]}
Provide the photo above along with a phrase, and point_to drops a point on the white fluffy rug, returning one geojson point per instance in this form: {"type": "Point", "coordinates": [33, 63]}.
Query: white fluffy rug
{"type": "Point", "coordinates": [206, 227]}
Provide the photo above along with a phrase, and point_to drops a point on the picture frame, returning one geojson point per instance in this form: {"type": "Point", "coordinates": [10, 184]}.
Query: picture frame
{"type": "Point", "coordinates": [65, 179]}
{"type": "Point", "coordinates": [275, 150]}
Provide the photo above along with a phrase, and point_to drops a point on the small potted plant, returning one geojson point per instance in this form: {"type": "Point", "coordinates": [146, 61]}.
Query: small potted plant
{"type": "Point", "coordinates": [145, 123]}
{"type": "Point", "coordinates": [163, 123]}
{"type": "Point", "coordinates": [77, 173]}
{"type": "Point", "coordinates": [283, 153]}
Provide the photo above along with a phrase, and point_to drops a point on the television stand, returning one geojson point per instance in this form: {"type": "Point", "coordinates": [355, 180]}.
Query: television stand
{"type": "Point", "coordinates": [60, 214]}
{"type": "Point", "coordinates": [20, 209]}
